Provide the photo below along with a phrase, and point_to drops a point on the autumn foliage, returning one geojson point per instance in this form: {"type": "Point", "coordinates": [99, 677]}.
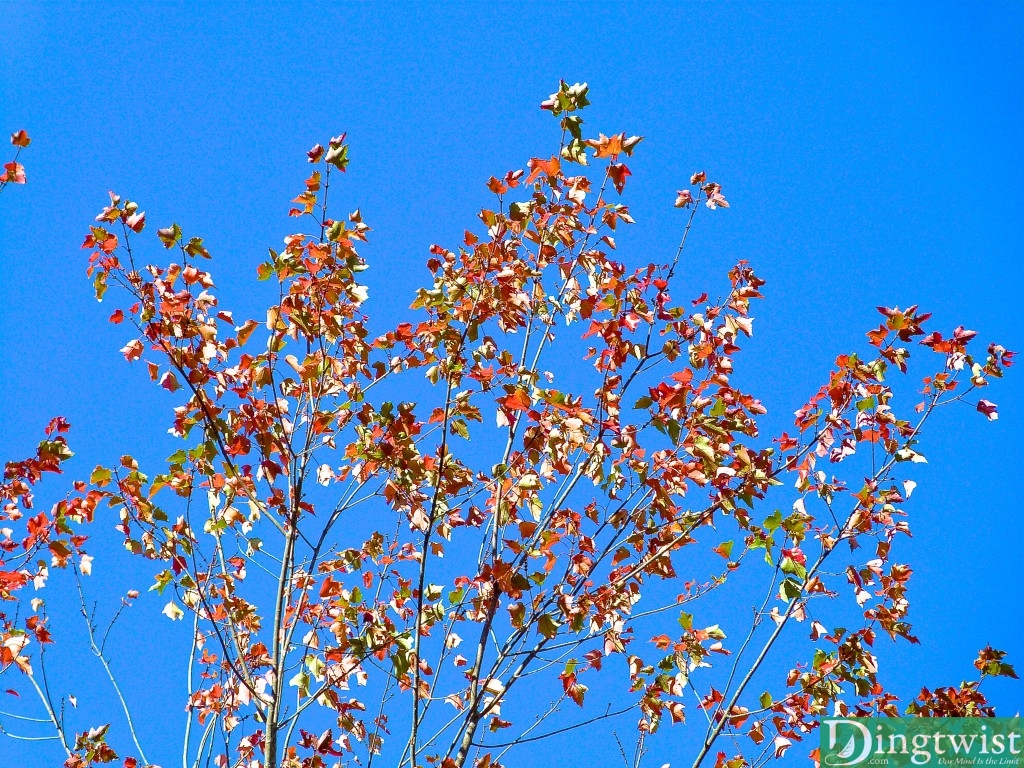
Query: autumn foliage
{"type": "Point", "coordinates": [14, 172]}
{"type": "Point", "coordinates": [388, 542]}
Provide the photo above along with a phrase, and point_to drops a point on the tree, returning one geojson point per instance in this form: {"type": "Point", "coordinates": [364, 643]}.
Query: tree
{"type": "Point", "coordinates": [386, 545]}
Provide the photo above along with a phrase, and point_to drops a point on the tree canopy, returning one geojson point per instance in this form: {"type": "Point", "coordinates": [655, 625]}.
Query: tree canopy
{"type": "Point", "coordinates": [427, 542]}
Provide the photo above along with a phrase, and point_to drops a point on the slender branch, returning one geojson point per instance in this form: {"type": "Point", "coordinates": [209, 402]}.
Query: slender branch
{"type": "Point", "coordinates": [45, 698]}
{"type": "Point", "coordinates": [26, 719]}
{"type": "Point", "coordinates": [98, 653]}
{"type": "Point", "coordinates": [278, 654]}
{"type": "Point", "coordinates": [15, 736]}
{"type": "Point", "coordinates": [188, 710]}
{"type": "Point", "coordinates": [557, 731]}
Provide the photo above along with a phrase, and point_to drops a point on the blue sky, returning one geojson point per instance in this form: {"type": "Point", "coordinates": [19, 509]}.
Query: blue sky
{"type": "Point", "coordinates": [871, 155]}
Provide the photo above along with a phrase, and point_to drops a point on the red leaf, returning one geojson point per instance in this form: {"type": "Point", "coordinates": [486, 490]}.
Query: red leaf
{"type": "Point", "coordinates": [169, 382]}
{"type": "Point", "coordinates": [989, 409]}
{"type": "Point", "coordinates": [15, 172]}
{"type": "Point", "coordinates": [618, 172]}
{"type": "Point", "coordinates": [136, 221]}
{"type": "Point", "coordinates": [547, 167]}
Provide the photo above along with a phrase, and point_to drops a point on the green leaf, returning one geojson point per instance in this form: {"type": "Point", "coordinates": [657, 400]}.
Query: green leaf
{"type": "Point", "coordinates": [433, 591]}
{"type": "Point", "coordinates": [572, 124]}
{"type": "Point", "coordinates": [792, 567]}
{"type": "Point", "coordinates": [1006, 670]}
{"type": "Point", "coordinates": [400, 661]}
{"type": "Point", "coordinates": [300, 681]}
{"type": "Point", "coordinates": [685, 620]}
{"type": "Point", "coordinates": [519, 211]}
{"type": "Point", "coordinates": [575, 152]}
{"type": "Point", "coordinates": [315, 666]}
{"type": "Point", "coordinates": [789, 589]}
{"type": "Point", "coordinates": [170, 235]}
{"type": "Point", "coordinates": [547, 626]}
{"type": "Point", "coordinates": [866, 403]}
{"type": "Point", "coordinates": [335, 231]}
{"type": "Point", "coordinates": [702, 447]}
{"type": "Point", "coordinates": [195, 248]}
{"type": "Point", "coordinates": [100, 476]}
{"type": "Point", "coordinates": [100, 284]}
{"type": "Point", "coordinates": [162, 580]}
{"type": "Point", "coordinates": [765, 700]}
{"type": "Point", "coordinates": [337, 156]}
{"type": "Point", "coordinates": [715, 632]}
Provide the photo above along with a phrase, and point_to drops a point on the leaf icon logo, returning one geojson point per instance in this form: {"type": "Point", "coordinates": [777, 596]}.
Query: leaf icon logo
{"type": "Point", "coordinates": [848, 750]}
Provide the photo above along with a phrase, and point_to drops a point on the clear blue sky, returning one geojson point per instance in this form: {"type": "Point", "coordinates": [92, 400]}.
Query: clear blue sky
{"type": "Point", "coordinates": [871, 154]}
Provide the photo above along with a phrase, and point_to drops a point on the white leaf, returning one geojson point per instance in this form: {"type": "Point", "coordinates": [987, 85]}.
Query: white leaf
{"type": "Point", "coordinates": [324, 474]}
{"type": "Point", "coordinates": [360, 293]}
{"type": "Point", "coordinates": [781, 744]}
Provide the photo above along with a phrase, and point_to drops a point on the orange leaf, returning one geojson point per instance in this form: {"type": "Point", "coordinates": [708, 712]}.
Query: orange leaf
{"type": "Point", "coordinates": [517, 401]}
